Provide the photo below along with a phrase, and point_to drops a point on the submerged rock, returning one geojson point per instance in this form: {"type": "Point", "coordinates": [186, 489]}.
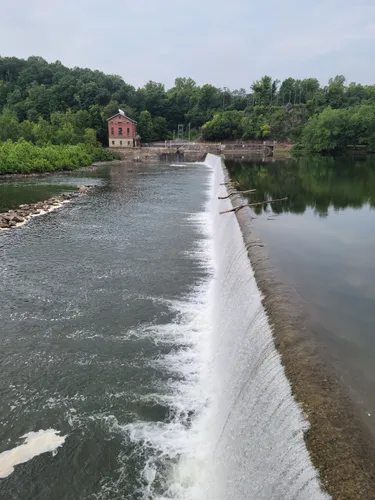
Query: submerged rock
{"type": "Point", "coordinates": [14, 217]}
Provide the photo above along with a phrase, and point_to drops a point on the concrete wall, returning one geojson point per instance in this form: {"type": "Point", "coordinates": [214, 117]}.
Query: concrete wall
{"type": "Point", "coordinates": [124, 142]}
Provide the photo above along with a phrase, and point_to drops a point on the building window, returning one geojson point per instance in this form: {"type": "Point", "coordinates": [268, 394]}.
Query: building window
{"type": "Point", "coordinates": [128, 143]}
{"type": "Point", "coordinates": [120, 131]}
{"type": "Point", "coordinates": [120, 143]}
{"type": "Point", "coordinates": [128, 131]}
{"type": "Point", "coordinates": [120, 123]}
{"type": "Point", "coordinates": [112, 131]}
{"type": "Point", "coordinates": [127, 123]}
{"type": "Point", "coordinates": [113, 142]}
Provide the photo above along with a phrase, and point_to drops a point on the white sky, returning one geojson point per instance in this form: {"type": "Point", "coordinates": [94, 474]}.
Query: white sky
{"type": "Point", "coordinates": [213, 41]}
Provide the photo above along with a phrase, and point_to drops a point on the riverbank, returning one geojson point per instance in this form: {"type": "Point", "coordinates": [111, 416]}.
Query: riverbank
{"type": "Point", "coordinates": [23, 157]}
{"type": "Point", "coordinates": [18, 217]}
{"type": "Point", "coordinates": [340, 445]}
{"type": "Point", "coordinates": [90, 168]}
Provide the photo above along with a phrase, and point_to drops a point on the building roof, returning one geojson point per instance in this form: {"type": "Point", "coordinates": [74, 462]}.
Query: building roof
{"type": "Point", "coordinates": [121, 113]}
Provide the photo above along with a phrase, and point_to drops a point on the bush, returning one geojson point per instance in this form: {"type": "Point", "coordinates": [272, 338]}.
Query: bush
{"type": "Point", "coordinates": [25, 157]}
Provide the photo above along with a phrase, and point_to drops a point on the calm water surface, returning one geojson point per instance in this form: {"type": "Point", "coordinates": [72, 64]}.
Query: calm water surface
{"type": "Point", "coordinates": [14, 192]}
{"type": "Point", "coordinates": [322, 241]}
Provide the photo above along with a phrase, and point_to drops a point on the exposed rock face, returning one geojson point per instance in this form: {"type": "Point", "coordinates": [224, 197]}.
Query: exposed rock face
{"type": "Point", "coordinates": [25, 211]}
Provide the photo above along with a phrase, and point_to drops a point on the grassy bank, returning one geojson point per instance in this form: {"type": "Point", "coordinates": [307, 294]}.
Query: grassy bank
{"type": "Point", "coordinates": [23, 157]}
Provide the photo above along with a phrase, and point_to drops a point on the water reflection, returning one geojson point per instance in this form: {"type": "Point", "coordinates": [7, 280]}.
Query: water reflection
{"type": "Point", "coordinates": [317, 183]}
{"type": "Point", "coordinates": [322, 248]}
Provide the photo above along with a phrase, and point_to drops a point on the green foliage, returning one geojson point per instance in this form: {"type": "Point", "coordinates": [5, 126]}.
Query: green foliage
{"type": "Point", "coordinates": [335, 129]}
{"type": "Point", "coordinates": [146, 127]}
{"type": "Point", "coordinates": [226, 125]}
{"type": "Point", "coordinates": [50, 103]}
{"type": "Point", "coordinates": [24, 157]}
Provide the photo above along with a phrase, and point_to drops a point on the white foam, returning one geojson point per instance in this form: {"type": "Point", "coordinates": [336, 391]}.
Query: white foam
{"type": "Point", "coordinates": [35, 444]}
{"type": "Point", "coordinates": [31, 216]}
{"type": "Point", "coordinates": [184, 392]}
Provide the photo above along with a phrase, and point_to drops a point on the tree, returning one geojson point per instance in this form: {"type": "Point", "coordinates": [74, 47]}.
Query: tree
{"type": "Point", "coordinates": [263, 90]}
{"type": "Point", "coordinates": [226, 125]}
{"type": "Point", "coordinates": [145, 127]}
{"type": "Point", "coordinates": [9, 126]}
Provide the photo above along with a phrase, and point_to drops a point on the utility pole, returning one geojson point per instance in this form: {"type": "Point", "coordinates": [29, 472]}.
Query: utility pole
{"type": "Point", "coordinates": [180, 131]}
{"type": "Point", "coordinates": [189, 131]}
{"type": "Point", "coordinates": [271, 94]}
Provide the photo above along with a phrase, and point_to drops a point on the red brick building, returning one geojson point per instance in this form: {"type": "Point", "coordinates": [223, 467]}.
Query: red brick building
{"type": "Point", "coordinates": [122, 131]}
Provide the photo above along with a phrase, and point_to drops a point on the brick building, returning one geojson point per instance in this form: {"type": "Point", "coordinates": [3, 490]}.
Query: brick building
{"type": "Point", "coordinates": [122, 131]}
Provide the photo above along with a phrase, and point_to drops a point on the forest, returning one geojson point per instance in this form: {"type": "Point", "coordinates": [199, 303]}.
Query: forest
{"type": "Point", "coordinates": [50, 104]}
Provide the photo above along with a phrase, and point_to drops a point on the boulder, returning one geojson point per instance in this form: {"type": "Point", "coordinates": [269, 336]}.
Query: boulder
{"type": "Point", "coordinates": [24, 207]}
{"type": "Point", "coordinates": [18, 218]}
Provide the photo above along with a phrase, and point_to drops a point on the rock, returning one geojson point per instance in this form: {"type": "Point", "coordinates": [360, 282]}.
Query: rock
{"type": "Point", "coordinates": [24, 207]}
{"type": "Point", "coordinates": [3, 225]}
{"type": "Point", "coordinates": [18, 218]}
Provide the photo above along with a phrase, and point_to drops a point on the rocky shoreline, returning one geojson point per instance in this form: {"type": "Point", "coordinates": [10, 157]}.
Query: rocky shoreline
{"type": "Point", "coordinates": [19, 216]}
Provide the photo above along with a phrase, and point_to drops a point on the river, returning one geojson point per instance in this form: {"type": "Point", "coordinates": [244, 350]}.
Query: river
{"type": "Point", "coordinates": [136, 356]}
{"type": "Point", "coordinates": [322, 243]}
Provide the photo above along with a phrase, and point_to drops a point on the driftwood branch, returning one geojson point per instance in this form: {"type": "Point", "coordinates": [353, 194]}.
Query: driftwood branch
{"type": "Point", "coordinates": [230, 183]}
{"type": "Point", "coordinates": [236, 192]}
{"type": "Point", "coordinates": [236, 209]}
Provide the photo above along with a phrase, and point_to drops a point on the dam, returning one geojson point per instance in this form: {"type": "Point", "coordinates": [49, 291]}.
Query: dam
{"type": "Point", "coordinates": [134, 329]}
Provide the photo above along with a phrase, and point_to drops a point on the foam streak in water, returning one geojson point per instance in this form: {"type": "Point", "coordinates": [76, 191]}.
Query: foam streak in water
{"type": "Point", "coordinates": [35, 444]}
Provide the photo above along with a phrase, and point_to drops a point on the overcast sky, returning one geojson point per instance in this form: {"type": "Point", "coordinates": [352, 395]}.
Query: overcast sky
{"type": "Point", "coordinates": [226, 43]}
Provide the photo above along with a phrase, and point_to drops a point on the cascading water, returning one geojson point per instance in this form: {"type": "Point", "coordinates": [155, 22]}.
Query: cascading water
{"type": "Point", "coordinates": [152, 356]}
{"type": "Point", "coordinates": [248, 443]}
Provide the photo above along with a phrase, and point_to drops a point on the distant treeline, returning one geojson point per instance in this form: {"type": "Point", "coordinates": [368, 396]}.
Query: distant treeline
{"type": "Point", "coordinates": [52, 104]}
